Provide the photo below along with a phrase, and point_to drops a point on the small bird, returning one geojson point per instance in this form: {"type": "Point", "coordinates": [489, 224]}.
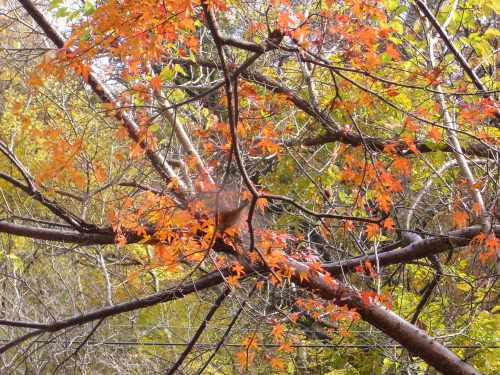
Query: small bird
{"type": "Point", "coordinates": [229, 218]}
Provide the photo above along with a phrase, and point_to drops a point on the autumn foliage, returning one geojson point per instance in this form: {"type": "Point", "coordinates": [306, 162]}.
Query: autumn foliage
{"type": "Point", "coordinates": [329, 166]}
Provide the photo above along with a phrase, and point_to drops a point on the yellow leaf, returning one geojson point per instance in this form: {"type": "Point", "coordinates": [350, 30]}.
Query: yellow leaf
{"type": "Point", "coordinates": [464, 286]}
{"type": "Point", "coordinates": [145, 239]}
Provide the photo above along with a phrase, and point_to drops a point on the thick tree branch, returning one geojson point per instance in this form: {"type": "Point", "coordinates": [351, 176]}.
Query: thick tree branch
{"type": "Point", "coordinates": [473, 148]}
{"type": "Point", "coordinates": [415, 340]}
{"type": "Point", "coordinates": [415, 250]}
{"type": "Point", "coordinates": [101, 236]}
{"type": "Point", "coordinates": [412, 338]}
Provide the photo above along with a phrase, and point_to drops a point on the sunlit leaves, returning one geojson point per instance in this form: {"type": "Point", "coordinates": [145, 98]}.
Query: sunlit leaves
{"type": "Point", "coordinates": [436, 134]}
{"type": "Point", "coordinates": [63, 163]}
{"type": "Point", "coordinates": [237, 271]}
{"type": "Point", "coordinates": [460, 218]}
{"type": "Point", "coordinates": [246, 356]}
{"type": "Point", "coordinates": [371, 89]}
{"type": "Point", "coordinates": [372, 231]}
{"type": "Point", "coordinates": [392, 52]}
{"type": "Point", "coordinates": [490, 244]}
{"type": "Point", "coordinates": [35, 80]}
{"type": "Point", "coordinates": [389, 224]}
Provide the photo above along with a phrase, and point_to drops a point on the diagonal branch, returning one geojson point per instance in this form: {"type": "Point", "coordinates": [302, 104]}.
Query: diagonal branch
{"type": "Point", "coordinates": [182, 135]}
{"type": "Point", "coordinates": [333, 131]}
{"type": "Point", "coordinates": [199, 331]}
{"type": "Point", "coordinates": [415, 250]}
{"type": "Point", "coordinates": [157, 160]}
{"type": "Point", "coordinates": [73, 220]}
{"type": "Point", "coordinates": [446, 39]}
{"type": "Point", "coordinates": [415, 340]}
{"type": "Point", "coordinates": [212, 279]}
{"type": "Point", "coordinates": [228, 329]}
{"type": "Point", "coordinates": [428, 289]}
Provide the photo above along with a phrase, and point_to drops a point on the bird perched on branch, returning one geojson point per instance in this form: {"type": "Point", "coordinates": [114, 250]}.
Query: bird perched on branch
{"type": "Point", "coordinates": [232, 217]}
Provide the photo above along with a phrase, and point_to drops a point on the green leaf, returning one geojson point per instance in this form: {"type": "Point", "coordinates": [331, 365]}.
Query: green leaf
{"type": "Point", "coordinates": [397, 25]}
{"type": "Point", "coordinates": [74, 15]}
{"type": "Point", "coordinates": [390, 5]}
{"type": "Point", "coordinates": [16, 262]}
{"type": "Point", "coordinates": [54, 4]}
{"type": "Point", "coordinates": [205, 112]}
{"type": "Point", "coordinates": [167, 74]}
{"type": "Point", "coordinates": [62, 12]}
{"type": "Point", "coordinates": [89, 8]}
{"type": "Point", "coordinates": [86, 34]}
{"type": "Point", "coordinates": [344, 198]}
{"type": "Point", "coordinates": [401, 9]}
{"type": "Point", "coordinates": [385, 57]}
{"type": "Point", "coordinates": [179, 69]}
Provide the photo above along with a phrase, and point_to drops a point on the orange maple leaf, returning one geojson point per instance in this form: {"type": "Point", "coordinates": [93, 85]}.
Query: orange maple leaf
{"type": "Point", "coordinates": [303, 276]}
{"type": "Point", "coordinates": [284, 21]}
{"type": "Point", "coordinates": [156, 82]}
{"type": "Point", "coordinates": [372, 230]}
{"type": "Point", "coordinates": [277, 363]}
{"type": "Point", "coordinates": [238, 269]}
{"type": "Point", "coordinates": [389, 224]}
{"type": "Point", "coordinates": [233, 280]}
{"type": "Point", "coordinates": [251, 342]}
{"type": "Point", "coordinates": [329, 279]}
{"type": "Point", "coordinates": [261, 204]}
{"type": "Point", "coordinates": [286, 347]}
{"type": "Point", "coordinates": [492, 243]}
{"type": "Point", "coordinates": [392, 51]}
{"type": "Point", "coordinates": [436, 134]}
{"type": "Point", "coordinates": [344, 332]}
{"type": "Point", "coordinates": [35, 80]}
{"type": "Point", "coordinates": [460, 218]}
